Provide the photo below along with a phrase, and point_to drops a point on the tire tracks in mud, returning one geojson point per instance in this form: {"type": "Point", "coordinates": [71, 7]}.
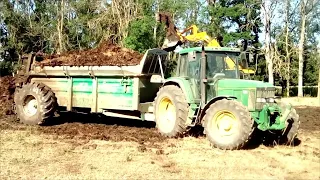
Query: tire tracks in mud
{"type": "Point", "coordinates": [87, 127]}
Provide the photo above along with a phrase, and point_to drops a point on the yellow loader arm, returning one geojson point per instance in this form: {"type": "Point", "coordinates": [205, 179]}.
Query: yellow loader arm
{"type": "Point", "coordinates": [175, 38]}
{"type": "Point", "coordinates": [198, 36]}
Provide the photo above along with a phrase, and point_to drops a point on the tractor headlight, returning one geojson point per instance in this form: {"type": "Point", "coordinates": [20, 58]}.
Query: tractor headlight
{"type": "Point", "coordinates": [261, 100]}
{"type": "Point", "coordinates": [265, 100]}
{"type": "Point", "coordinates": [264, 95]}
{"type": "Point", "coordinates": [270, 100]}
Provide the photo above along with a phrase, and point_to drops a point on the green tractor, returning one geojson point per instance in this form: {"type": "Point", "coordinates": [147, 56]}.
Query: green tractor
{"type": "Point", "coordinates": [205, 91]}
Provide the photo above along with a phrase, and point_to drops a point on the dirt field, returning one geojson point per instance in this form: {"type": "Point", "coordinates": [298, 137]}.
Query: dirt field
{"type": "Point", "coordinates": [91, 147]}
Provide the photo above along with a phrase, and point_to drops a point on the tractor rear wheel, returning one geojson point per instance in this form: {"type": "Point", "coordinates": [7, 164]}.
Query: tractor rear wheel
{"type": "Point", "coordinates": [228, 124]}
{"type": "Point", "coordinates": [34, 103]}
{"type": "Point", "coordinates": [171, 111]}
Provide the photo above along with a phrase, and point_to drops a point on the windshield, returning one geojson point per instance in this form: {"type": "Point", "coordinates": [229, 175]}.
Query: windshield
{"type": "Point", "coordinates": [225, 63]}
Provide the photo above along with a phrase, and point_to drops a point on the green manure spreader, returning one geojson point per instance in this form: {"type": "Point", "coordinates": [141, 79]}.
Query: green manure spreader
{"type": "Point", "coordinates": [203, 90]}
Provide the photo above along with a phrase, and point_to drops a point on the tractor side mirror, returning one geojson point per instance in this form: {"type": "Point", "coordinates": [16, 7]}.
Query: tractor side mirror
{"type": "Point", "coordinates": [245, 58]}
{"type": "Point", "coordinates": [243, 61]}
{"type": "Point", "coordinates": [219, 75]}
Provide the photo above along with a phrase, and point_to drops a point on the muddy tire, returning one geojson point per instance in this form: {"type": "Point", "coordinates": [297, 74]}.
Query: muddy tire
{"type": "Point", "coordinates": [228, 125]}
{"type": "Point", "coordinates": [288, 135]}
{"type": "Point", "coordinates": [171, 111]}
{"type": "Point", "coordinates": [293, 124]}
{"type": "Point", "coordinates": [35, 103]}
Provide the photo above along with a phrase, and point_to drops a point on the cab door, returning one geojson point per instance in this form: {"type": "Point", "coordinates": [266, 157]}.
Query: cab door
{"type": "Point", "coordinates": [189, 67]}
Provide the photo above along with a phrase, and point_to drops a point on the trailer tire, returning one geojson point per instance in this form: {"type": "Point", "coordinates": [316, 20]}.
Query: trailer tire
{"type": "Point", "coordinates": [35, 103]}
{"type": "Point", "coordinates": [171, 111]}
{"type": "Point", "coordinates": [236, 125]}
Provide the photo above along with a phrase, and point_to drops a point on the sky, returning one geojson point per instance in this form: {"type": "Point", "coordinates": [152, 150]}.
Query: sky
{"type": "Point", "coordinates": [278, 19]}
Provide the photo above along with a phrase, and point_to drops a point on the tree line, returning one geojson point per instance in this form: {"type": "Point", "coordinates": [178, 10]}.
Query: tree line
{"type": "Point", "coordinates": [283, 33]}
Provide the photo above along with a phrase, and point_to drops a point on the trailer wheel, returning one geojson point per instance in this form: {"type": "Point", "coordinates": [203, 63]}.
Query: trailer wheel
{"type": "Point", "coordinates": [34, 103]}
{"type": "Point", "coordinates": [228, 125]}
{"type": "Point", "coordinates": [171, 111]}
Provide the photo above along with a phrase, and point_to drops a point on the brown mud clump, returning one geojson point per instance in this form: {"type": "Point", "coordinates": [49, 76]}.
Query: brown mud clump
{"type": "Point", "coordinates": [7, 88]}
{"type": "Point", "coordinates": [106, 54]}
{"type": "Point", "coordinates": [107, 132]}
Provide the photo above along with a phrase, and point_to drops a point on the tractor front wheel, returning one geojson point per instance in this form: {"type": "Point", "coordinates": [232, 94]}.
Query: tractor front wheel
{"type": "Point", "coordinates": [292, 127]}
{"type": "Point", "coordinates": [171, 111]}
{"type": "Point", "coordinates": [286, 136]}
{"type": "Point", "coordinates": [289, 134]}
{"type": "Point", "coordinates": [228, 124]}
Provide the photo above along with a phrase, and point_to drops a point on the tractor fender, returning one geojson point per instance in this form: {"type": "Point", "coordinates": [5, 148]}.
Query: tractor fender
{"type": "Point", "coordinates": [184, 85]}
{"type": "Point", "coordinates": [213, 100]}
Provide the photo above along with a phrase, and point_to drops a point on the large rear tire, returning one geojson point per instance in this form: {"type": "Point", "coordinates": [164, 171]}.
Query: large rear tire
{"type": "Point", "coordinates": [228, 124]}
{"type": "Point", "coordinates": [171, 111]}
{"type": "Point", "coordinates": [35, 103]}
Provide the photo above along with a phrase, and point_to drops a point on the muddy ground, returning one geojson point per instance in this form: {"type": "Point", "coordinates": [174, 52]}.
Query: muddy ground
{"type": "Point", "coordinates": [89, 127]}
{"type": "Point", "coordinates": [105, 54]}
{"type": "Point", "coordinates": [80, 146]}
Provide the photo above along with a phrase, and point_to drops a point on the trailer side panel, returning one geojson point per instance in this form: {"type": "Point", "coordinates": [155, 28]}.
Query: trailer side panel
{"type": "Point", "coordinates": [98, 93]}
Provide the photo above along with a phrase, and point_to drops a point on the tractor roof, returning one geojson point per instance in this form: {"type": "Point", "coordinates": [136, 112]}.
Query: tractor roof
{"type": "Point", "coordinates": [199, 49]}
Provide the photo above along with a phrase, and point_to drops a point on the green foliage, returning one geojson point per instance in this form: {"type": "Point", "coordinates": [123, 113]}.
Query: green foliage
{"type": "Point", "coordinates": [308, 91]}
{"type": "Point", "coordinates": [311, 67]}
{"type": "Point", "coordinates": [235, 20]}
{"type": "Point", "coordinates": [140, 37]}
{"type": "Point", "coordinates": [79, 34]}
{"type": "Point", "coordinates": [31, 26]}
{"type": "Point", "coordinates": [5, 68]}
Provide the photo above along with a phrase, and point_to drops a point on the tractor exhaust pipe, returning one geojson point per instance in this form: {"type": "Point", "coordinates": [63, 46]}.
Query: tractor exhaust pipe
{"type": "Point", "coordinates": [203, 78]}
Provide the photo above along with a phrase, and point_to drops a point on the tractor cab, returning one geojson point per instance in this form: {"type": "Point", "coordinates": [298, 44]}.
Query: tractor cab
{"type": "Point", "coordinates": [206, 67]}
{"type": "Point", "coordinates": [213, 73]}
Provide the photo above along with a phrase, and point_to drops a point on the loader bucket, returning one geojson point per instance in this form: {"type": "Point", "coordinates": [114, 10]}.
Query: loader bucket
{"type": "Point", "coordinates": [171, 42]}
{"type": "Point", "coordinates": [170, 45]}
{"type": "Point", "coordinates": [172, 39]}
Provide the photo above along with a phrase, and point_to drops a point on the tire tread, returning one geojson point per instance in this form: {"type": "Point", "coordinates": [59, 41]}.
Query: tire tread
{"type": "Point", "coordinates": [245, 118]}
{"type": "Point", "coordinates": [47, 102]}
{"type": "Point", "coordinates": [182, 109]}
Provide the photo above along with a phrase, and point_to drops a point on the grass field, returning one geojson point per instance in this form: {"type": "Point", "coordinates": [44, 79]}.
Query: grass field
{"type": "Point", "coordinates": [31, 153]}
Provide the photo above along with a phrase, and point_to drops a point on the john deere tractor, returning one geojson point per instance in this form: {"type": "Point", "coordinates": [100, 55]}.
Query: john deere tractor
{"type": "Point", "coordinates": [206, 92]}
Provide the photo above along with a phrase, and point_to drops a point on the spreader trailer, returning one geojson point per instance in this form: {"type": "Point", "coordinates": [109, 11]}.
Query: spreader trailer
{"type": "Point", "coordinates": [203, 91]}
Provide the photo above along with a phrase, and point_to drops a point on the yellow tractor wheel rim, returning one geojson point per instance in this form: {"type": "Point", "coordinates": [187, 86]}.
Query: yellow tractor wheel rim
{"type": "Point", "coordinates": [166, 114]}
{"type": "Point", "coordinates": [225, 122]}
